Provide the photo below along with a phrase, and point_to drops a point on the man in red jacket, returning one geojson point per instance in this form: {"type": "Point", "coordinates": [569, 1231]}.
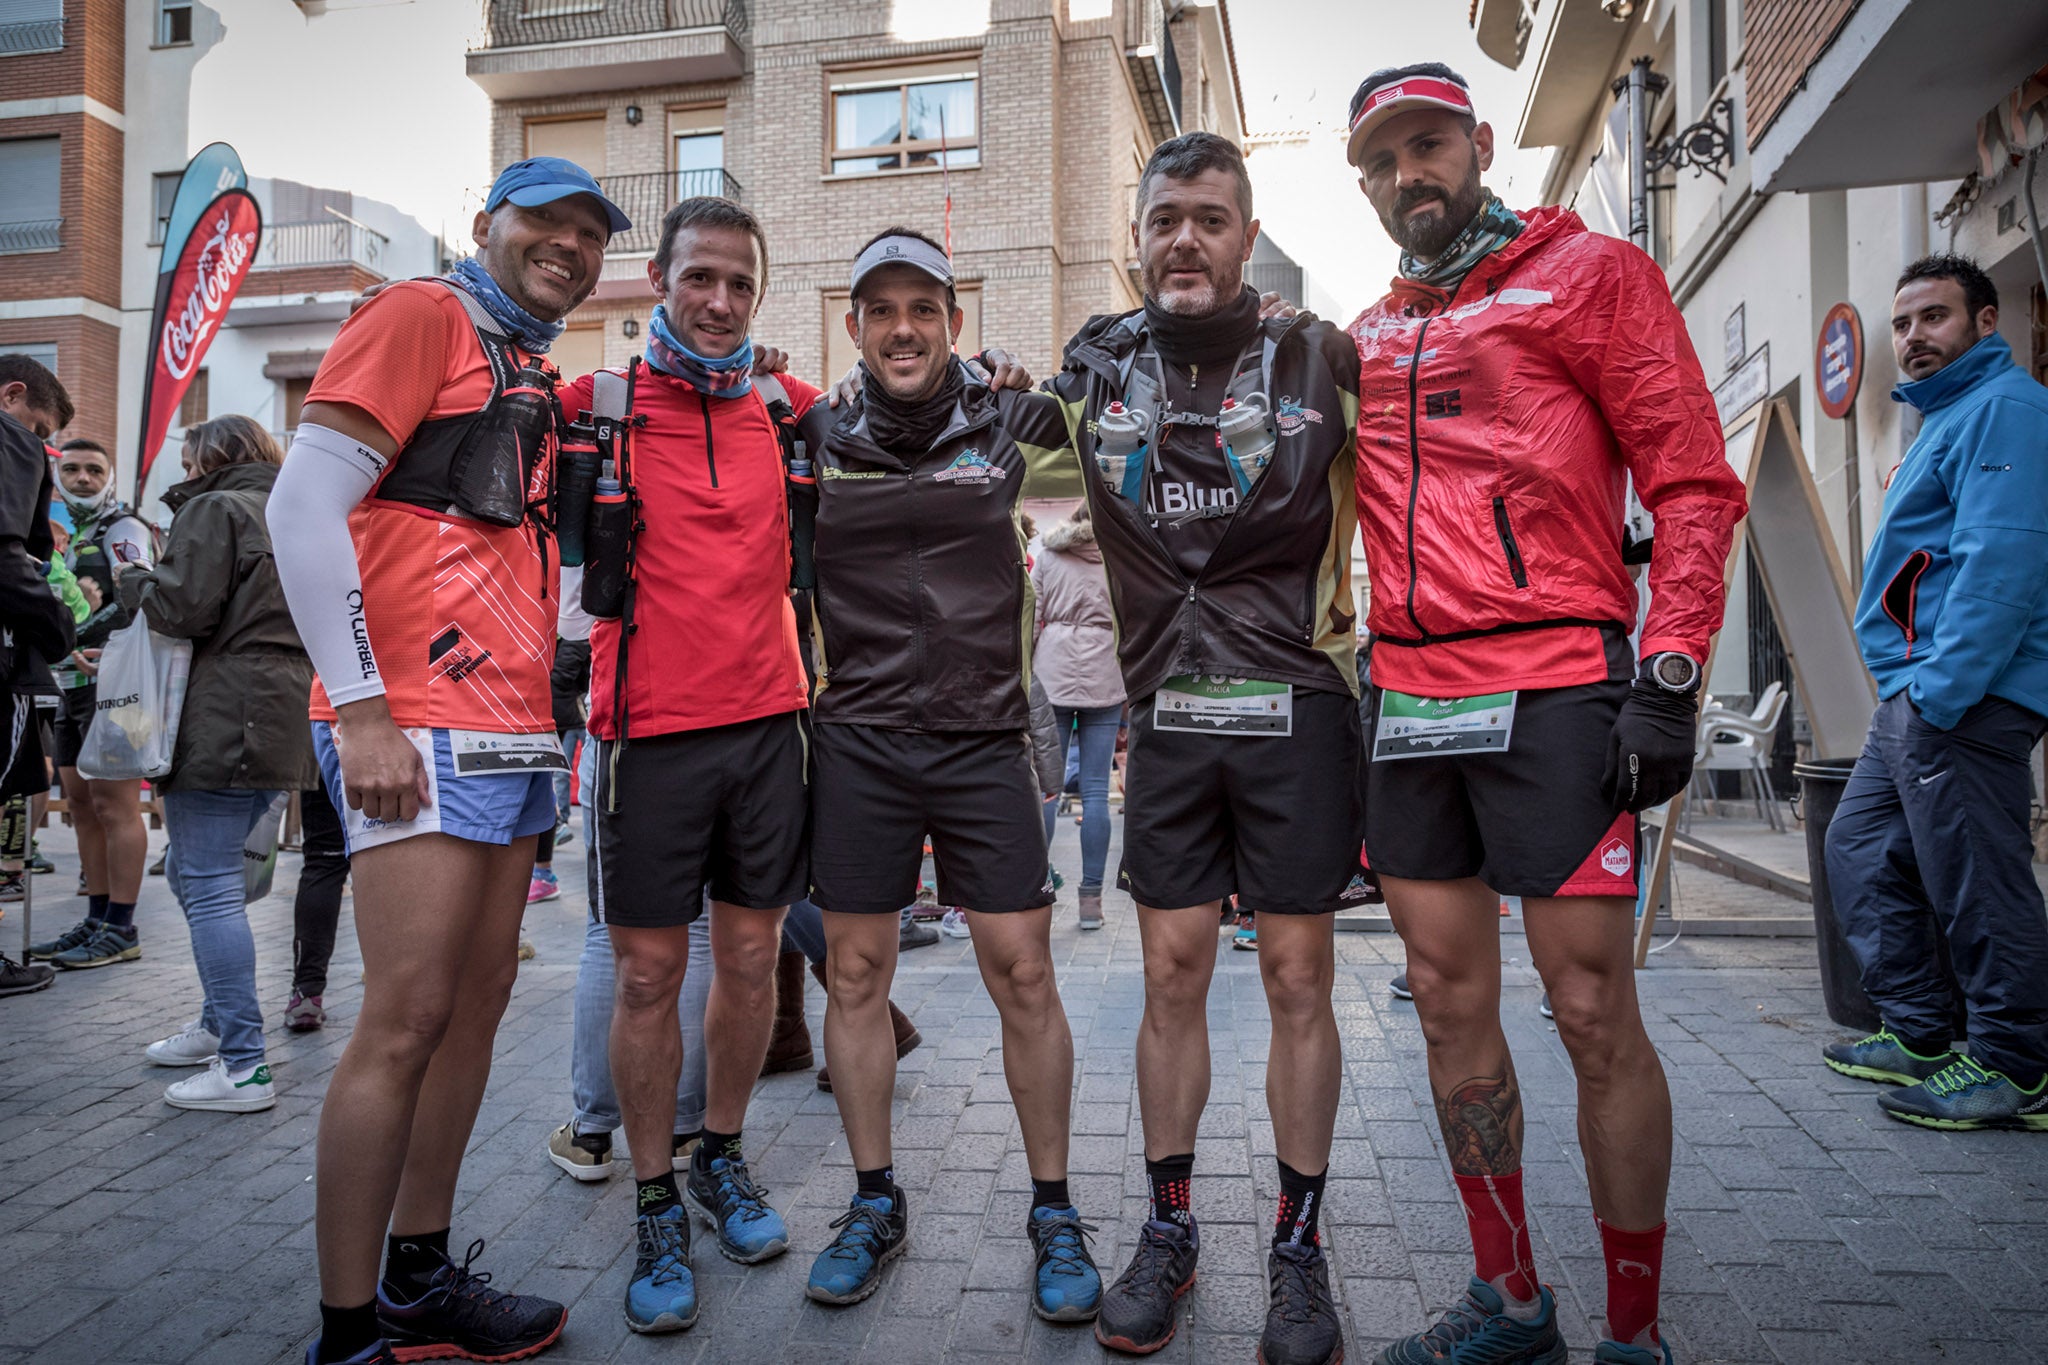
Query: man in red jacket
{"type": "Point", "coordinates": [1521, 371]}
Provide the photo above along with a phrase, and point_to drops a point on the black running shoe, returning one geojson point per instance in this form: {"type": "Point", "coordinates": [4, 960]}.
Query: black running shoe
{"type": "Point", "coordinates": [22, 978]}
{"type": "Point", "coordinates": [460, 1317]}
{"type": "Point", "coordinates": [1141, 1310]}
{"type": "Point", "coordinates": [1301, 1317]}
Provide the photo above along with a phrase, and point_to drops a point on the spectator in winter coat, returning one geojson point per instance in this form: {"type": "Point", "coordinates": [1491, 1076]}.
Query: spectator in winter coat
{"type": "Point", "coordinates": [1075, 657]}
{"type": "Point", "coordinates": [242, 739]}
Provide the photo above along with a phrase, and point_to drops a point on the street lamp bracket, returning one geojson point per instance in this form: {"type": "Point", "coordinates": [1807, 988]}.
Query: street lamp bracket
{"type": "Point", "coordinates": [1704, 146]}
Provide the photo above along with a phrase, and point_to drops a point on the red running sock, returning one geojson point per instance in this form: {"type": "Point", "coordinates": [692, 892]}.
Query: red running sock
{"type": "Point", "coordinates": [1635, 1265]}
{"type": "Point", "coordinates": [1500, 1233]}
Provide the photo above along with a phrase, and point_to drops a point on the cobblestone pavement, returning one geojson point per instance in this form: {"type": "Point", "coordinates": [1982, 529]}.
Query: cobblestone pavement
{"type": "Point", "coordinates": [1804, 1226]}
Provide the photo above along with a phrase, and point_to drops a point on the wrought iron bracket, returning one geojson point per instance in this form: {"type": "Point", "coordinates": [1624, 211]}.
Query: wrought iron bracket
{"type": "Point", "coordinates": [1705, 146]}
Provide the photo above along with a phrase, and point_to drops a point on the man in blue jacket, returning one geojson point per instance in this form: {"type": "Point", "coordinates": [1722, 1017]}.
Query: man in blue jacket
{"type": "Point", "coordinates": [1932, 834]}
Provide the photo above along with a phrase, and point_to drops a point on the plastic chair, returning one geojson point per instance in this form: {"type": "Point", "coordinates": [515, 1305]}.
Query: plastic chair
{"type": "Point", "coordinates": [1732, 741]}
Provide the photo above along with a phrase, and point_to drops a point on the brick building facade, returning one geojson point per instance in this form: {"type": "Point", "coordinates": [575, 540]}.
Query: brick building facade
{"type": "Point", "coordinates": [61, 132]}
{"type": "Point", "coordinates": [1053, 105]}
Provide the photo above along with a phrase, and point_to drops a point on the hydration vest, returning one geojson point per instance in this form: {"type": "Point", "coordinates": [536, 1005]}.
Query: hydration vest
{"type": "Point", "coordinates": [1141, 375]}
{"type": "Point", "coordinates": [481, 464]}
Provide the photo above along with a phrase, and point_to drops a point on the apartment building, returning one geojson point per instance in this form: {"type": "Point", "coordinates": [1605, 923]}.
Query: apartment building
{"type": "Point", "coordinates": [94, 134]}
{"type": "Point", "coordinates": [832, 122]}
{"type": "Point", "coordinates": [1806, 150]}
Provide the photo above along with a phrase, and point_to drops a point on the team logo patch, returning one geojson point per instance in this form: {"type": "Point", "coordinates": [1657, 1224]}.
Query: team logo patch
{"type": "Point", "coordinates": [1357, 889]}
{"type": "Point", "coordinates": [1290, 416]}
{"type": "Point", "coordinates": [970, 466]}
{"type": "Point", "coordinates": [1616, 858]}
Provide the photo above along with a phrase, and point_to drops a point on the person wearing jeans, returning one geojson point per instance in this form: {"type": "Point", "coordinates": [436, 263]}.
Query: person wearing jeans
{"type": "Point", "coordinates": [1075, 657]}
{"type": "Point", "coordinates": [582, 1147]}
{"type": "Point", "coordinates": [242, 739]}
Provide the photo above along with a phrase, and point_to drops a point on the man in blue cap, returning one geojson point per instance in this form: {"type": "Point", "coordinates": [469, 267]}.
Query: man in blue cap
{"type": "Point", "coordinates": [417, 576]}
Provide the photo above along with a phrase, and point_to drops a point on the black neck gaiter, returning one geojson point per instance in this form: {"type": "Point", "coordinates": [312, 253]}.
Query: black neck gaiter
{"type": "Point", "coordinates": [1215, 339]}
{"type": "Point", "coordinates": [910, 428]}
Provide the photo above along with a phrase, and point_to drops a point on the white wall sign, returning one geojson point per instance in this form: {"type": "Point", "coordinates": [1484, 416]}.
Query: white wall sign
{"type": "Point", "coordinates": [1746, 385]}
{"type": "Point", "coordinates": [1733, 344]}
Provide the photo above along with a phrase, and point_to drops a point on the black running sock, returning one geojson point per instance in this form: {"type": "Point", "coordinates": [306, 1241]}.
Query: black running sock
{"type": "Point", "coordinates": [715, 1145]}
{"type": "Point", "coordinates": [658, 1195]}
{"type": "Point", "coordinates": [410, 1261]}
{"type": "Point", "coordinates": [1170, 1178]}
{"type": "Point", "coordinates": [1301, 1207]}
{"type": "Point", "coordinates": [121, 915]}
{"type": "Point", "coordinates": [879, 1183]}
{"type": "Point", "coordinates": [1050, 1194]}
{"type": "Point", "coordinates": [346, 1331]}
{"type": "Point", "coordinates": [96, 908]}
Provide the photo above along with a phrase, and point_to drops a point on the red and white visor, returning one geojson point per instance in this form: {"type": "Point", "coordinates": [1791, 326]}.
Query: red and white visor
{"type": "Point", "coordinates": [1402, 97]}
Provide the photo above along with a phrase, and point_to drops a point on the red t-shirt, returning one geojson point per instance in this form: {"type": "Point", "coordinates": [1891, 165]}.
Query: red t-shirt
{"type": "Point", "coordinates": [460, 613]}
{"type": "Point", "coordinates": [715, 639]}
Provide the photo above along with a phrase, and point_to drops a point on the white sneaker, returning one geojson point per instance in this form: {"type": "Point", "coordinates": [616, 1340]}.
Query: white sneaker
{"type": "Point", "coordinates": [954, 924]}
{"type": "Point", "coordinates": [191, 1045]}
{"type": "Point", "coordinates": [242, 1092]}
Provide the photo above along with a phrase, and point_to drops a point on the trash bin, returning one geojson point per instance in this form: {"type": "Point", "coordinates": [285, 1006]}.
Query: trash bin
{"type": "Point", "coordinates": [1821, 782]}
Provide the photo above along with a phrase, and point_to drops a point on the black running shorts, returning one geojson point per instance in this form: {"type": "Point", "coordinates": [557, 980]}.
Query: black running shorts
{"type": "Point", "coordinates": [73, 719]}
{"type": "Point", "coordinates": [1273, 820]}
{"type": "Point", "coordinates": [23, 737]}
{"type": "Point", "coordinates": [721, 809]}
{"type": "Point", "coordinates": [876, 794]}
{"type": "Point", "coordinates": [1528, 822]}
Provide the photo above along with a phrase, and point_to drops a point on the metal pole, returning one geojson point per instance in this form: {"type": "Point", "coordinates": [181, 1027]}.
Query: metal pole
{"type": "Point", "coordinates": [1852, 483]}
{"type": "Point", "coordinates": [1638, 149]}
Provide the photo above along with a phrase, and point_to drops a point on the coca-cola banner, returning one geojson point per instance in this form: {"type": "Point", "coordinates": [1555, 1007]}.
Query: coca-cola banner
{"type": "Point", "coordinates": [209, 248]}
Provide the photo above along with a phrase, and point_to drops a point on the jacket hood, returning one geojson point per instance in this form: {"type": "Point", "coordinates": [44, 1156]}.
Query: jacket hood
{"type": "Point", "coordinates": [1074, 538]}
{"type": "Point", "coordinates": [254, 477]}
{"type": "Point", "coordinates": [1540, 228]}
{"type": "Point", "coordinates": [1988, 359]}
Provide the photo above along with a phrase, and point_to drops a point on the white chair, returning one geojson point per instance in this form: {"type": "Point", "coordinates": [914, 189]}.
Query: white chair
{"type": "Point", "coordinates": [1732, 741]}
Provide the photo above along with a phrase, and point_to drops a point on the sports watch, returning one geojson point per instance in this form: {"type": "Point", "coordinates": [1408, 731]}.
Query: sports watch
{"type": "Point", "coordinates": [1672, 671]}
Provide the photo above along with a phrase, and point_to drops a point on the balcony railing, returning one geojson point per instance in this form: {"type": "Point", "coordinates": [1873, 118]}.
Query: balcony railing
{"type": "Point", "coordinates": [1154, 66]}
{"type": "Point", "coordinates": [646, 198]}
{"type": "Point", "coordinates": [44, 34]}
{"type": "Point", "coordinates": [332, 241]}
{"type": "Point", "coordinates": [36, 234]}
{"type": "Point", "coordinates": [524, 23]}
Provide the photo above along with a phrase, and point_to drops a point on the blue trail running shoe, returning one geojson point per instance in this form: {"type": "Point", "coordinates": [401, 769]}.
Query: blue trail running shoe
{"type": "Point", "coordinates": [1065, 1285]}
{"type": "Point", "coordinates": [736, 1209]}
{"type": "Point", "coordinates": [1474, 1331]}
{"type": "Point", "coordinates": [1141, 1311]}
{"type": "Point", "coordinates": [1963, 1096]}
{"type": "Point", "coordinates": [662, 1295]}
{"type": "Point", "coordinates": [1882, 1057]}
{"type": "Point", "coordinates": [1614, 1353]}
{"type": "Point", "coordinates": [874, 1230]}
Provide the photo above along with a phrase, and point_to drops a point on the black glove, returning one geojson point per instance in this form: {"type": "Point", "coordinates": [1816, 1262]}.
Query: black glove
{"type": "Point", "coordinates": [1649, 760]}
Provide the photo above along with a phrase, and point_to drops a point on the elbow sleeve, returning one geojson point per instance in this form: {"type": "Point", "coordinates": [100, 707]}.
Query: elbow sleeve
{"type": "Point", "coordinates": [324, 478]}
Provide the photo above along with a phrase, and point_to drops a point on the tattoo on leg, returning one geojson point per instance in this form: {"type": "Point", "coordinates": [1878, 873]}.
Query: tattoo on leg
{"type": "Point", "coordinates": [1482, 1125]}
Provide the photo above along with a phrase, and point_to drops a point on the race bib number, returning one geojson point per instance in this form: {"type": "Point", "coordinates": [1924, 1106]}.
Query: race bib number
{"type": "Point", "coordinates": [1428, 727]}
{"type": "Point", "coordinates": [1215, 704]}
{"type": "Point", "coordinates": [482, 753]}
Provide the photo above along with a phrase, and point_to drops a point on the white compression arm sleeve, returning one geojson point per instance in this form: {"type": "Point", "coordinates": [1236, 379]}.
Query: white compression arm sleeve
{"type": "Point", "coordinates": [323, 479]}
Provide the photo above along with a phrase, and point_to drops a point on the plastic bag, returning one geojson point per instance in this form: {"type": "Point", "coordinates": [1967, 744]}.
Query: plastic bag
{"type": "Point", "coordinates": [259, 850]}
{"type": "Point", "coordinates": [141, 697]}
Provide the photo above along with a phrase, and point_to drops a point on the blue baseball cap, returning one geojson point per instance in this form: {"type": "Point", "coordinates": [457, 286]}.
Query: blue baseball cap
{"type": "Point", "coordinates": [544, 179]}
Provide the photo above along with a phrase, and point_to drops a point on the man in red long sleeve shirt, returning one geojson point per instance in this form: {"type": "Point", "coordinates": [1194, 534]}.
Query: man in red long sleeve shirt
{"type": "Point", "coordinates": [1521, 371]}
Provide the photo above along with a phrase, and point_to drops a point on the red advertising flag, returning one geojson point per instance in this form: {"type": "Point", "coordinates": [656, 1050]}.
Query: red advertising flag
{"type": "Point", "coordinates": [192, 303]}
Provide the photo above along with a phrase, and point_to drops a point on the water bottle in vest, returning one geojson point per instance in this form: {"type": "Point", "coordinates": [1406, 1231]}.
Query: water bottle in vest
{"type": "Point", "coordinates": [606, 559]}
{"type": "Point", "coordinates": [576, 478]}
{"type": "Point", "coordinates": [803, 519]}
{"type": "Point", "coordinates": [1248, 438]}
{"type": "Point", "coordinates": [1120, 449]}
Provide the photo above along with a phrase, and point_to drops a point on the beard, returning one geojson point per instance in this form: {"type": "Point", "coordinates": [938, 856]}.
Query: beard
{"type": "Point", "coordinates": [1200, 301]}
{"type": "Point", "coordinates": [1425, 237]}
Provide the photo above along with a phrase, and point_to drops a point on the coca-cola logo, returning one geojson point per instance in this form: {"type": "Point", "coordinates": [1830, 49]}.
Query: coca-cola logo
{"type": "Point", "coordinates": [222, 259]}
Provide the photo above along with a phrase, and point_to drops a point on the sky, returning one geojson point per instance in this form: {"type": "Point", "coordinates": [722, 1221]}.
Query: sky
{"type": "Point", "coordinates": [370, 96]}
